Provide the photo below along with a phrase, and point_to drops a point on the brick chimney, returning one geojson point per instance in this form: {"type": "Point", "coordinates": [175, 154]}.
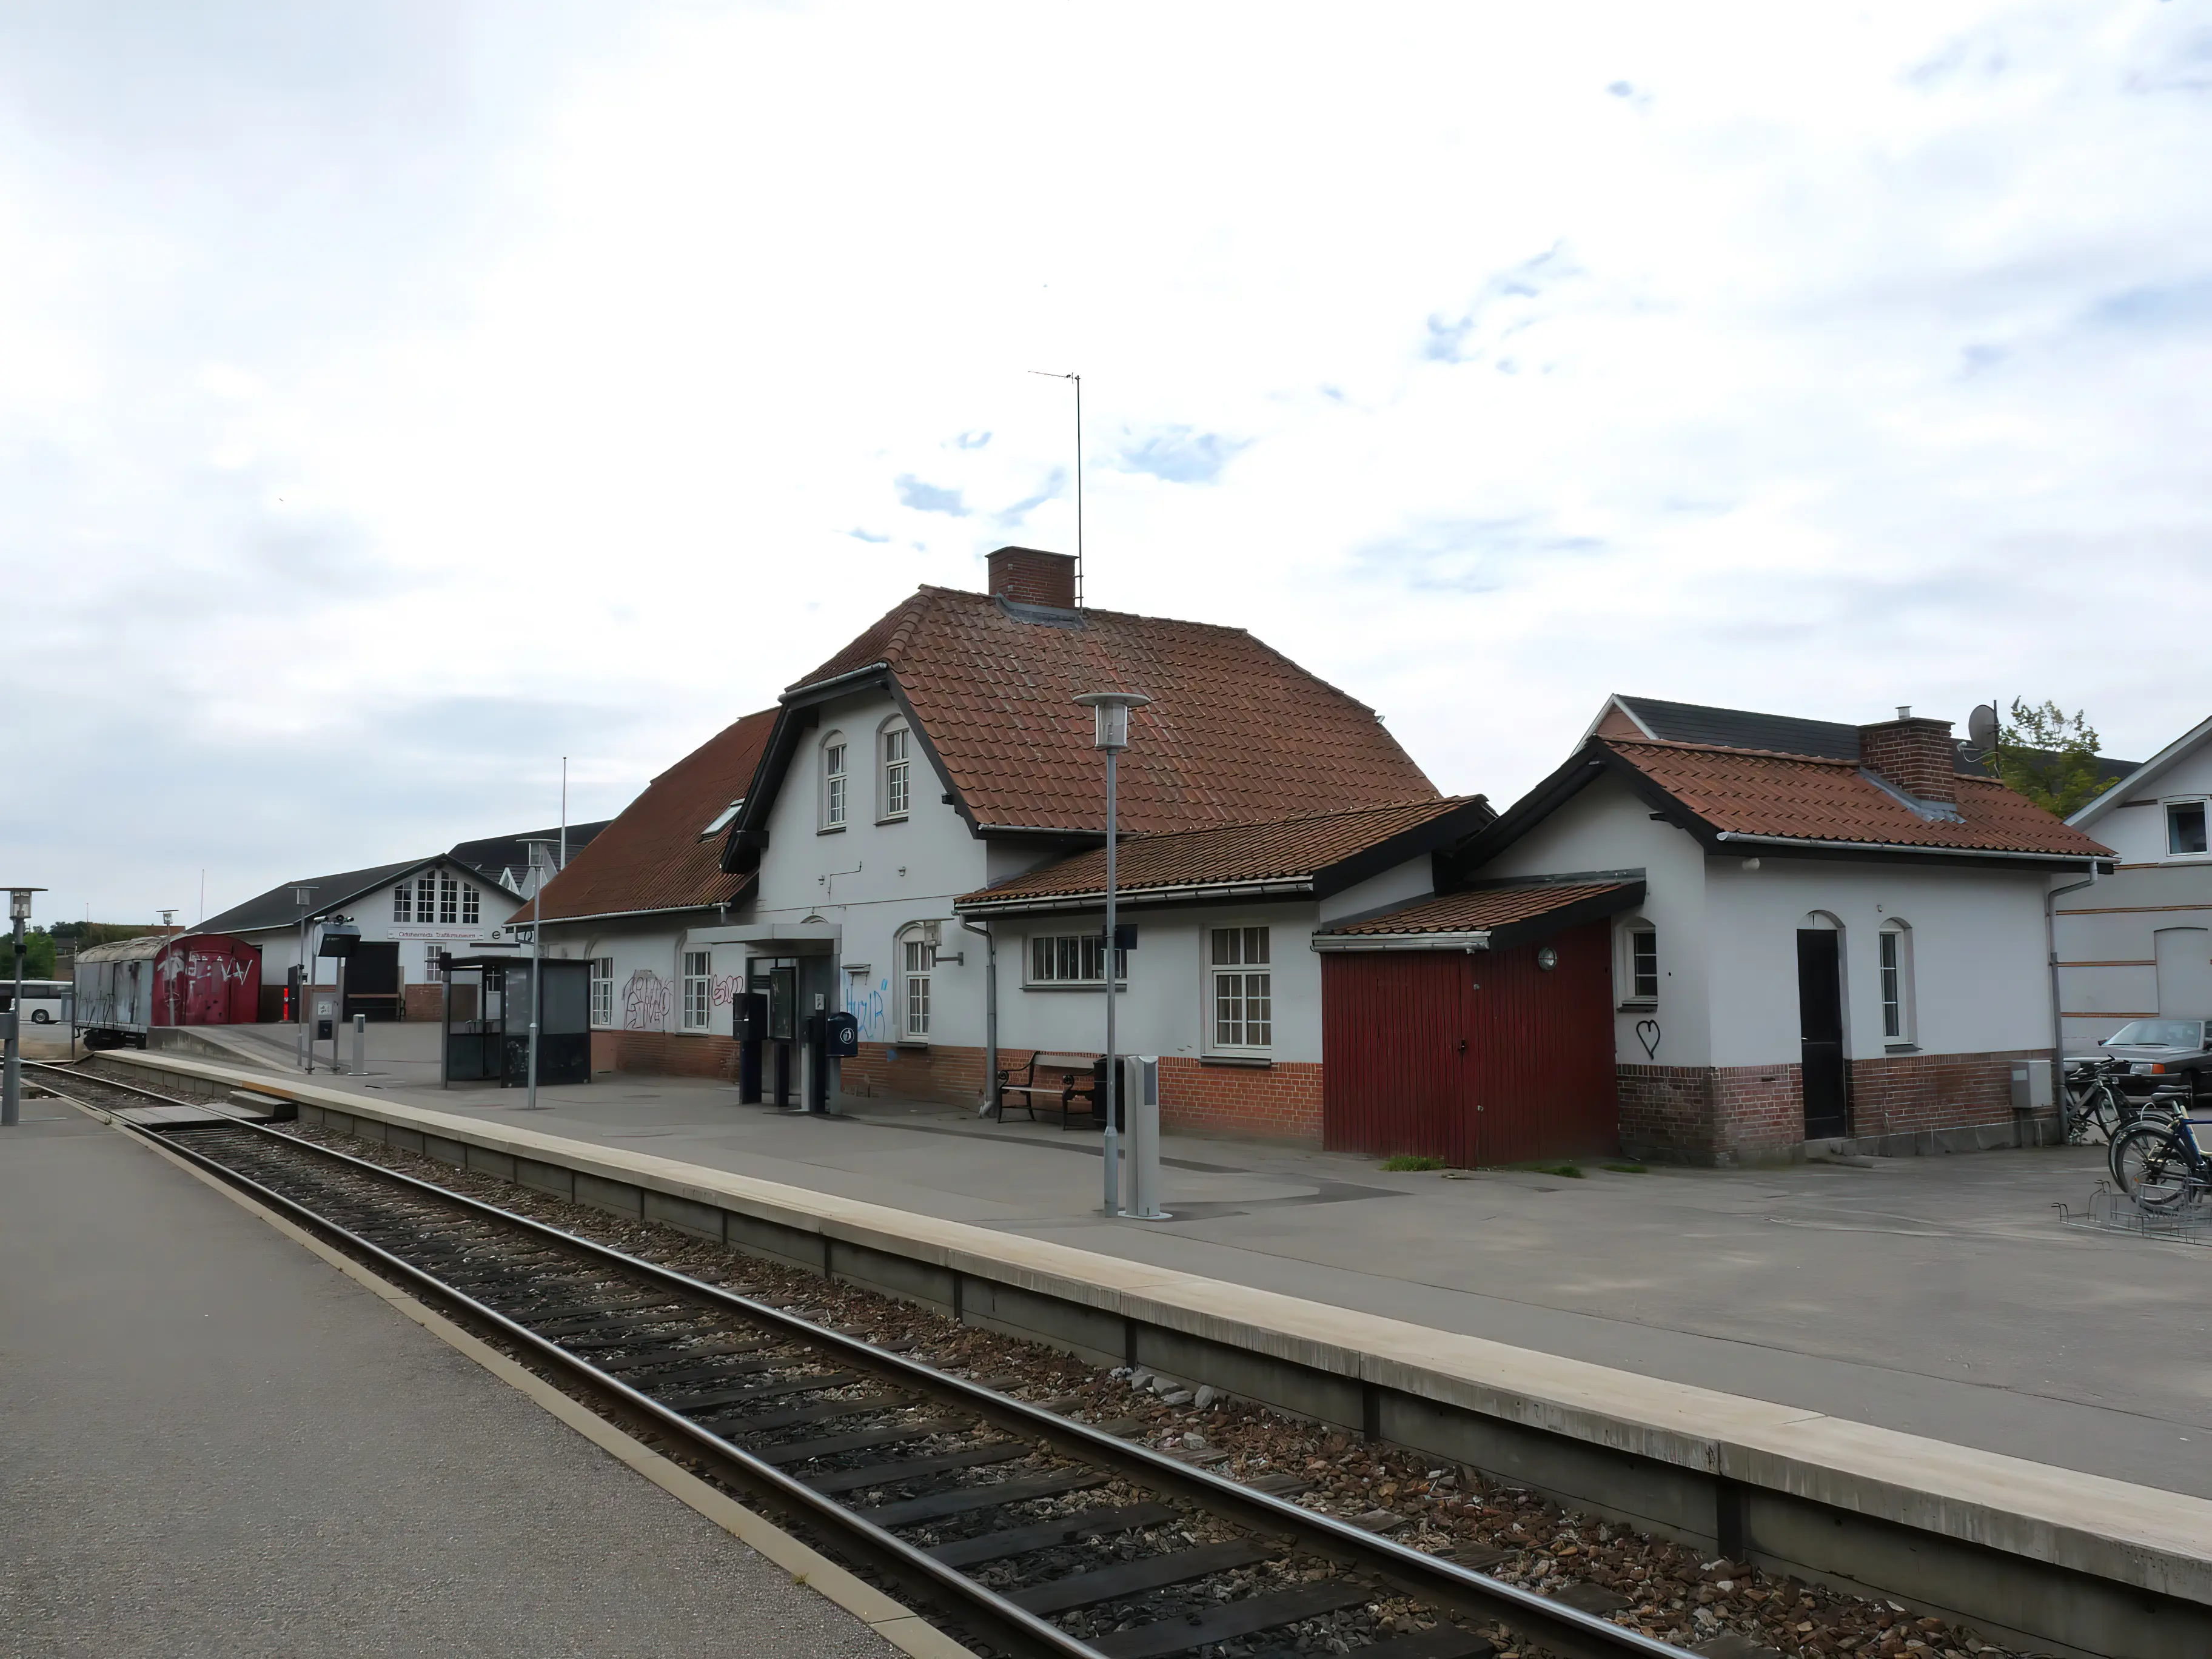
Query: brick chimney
{"type": "Point", "coordinates": [1027, 576]}
{"type": "Point", "coordinates": [1915, 756]}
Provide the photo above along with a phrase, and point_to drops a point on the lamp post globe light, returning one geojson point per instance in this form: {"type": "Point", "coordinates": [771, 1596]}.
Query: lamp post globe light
{"type": "Point", "coordinates": [11, 1081]}
{"type": "Point", "coordinates": [1110, 712]}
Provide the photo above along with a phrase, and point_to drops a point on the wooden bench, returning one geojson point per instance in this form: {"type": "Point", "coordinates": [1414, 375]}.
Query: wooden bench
{"type": "Point", "coordinates": [1064, 1079]}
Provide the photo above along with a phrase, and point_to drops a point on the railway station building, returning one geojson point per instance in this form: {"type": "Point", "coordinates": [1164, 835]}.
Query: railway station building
{"type": "Point", "coordinates": [1711, 935]}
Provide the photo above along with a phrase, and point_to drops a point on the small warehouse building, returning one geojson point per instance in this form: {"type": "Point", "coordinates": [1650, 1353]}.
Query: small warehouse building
{"type": "Point", "coordinates": [1475, 1027]}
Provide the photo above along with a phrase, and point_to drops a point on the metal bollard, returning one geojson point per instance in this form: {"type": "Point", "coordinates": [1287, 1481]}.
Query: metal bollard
{"type": "Point", "coordinates": [359, 1045]}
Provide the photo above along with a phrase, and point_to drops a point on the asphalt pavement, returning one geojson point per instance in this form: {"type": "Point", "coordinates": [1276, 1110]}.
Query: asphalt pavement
{"type": "Point", "coordinates": [213, 1442]}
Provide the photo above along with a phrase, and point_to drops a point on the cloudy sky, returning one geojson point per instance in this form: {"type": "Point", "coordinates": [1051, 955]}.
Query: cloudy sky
{"type": "Point", "coordinates": [395, 398]}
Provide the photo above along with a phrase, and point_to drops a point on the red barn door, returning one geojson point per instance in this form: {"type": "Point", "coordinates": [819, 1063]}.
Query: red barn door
{"type": "Point", "coordinates": [1474, 1057]}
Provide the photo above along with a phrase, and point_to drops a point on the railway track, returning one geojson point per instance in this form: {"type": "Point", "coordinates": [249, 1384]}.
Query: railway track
{"type": "Point", "coordinates": [1026, 1531]}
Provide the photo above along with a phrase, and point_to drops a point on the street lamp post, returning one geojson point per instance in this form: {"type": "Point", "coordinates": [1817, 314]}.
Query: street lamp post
{"type": "Point", "coordinates": [11, 1085]}
{"type": "Point", "coordinates": [303, 896]}
{"type": "Point", "coordinates": [1110, 712]}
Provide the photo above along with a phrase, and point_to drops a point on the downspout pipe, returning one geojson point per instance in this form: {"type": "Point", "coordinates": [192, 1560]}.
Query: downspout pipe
{"type": "Point", "coordinates": [990, 1011]}
{"type": "Point", "coordinates": [2050, 899]}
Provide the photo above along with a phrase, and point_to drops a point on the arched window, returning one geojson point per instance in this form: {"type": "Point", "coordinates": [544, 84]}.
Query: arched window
{"type": "Point", "coordinates": [894, 792]}
{"type": "Point", "coordinates": [917, 965]}
{"type": "Point", "coordinates": [834, 781]}
{"type": "Point", "coordinates": [1893, 956]}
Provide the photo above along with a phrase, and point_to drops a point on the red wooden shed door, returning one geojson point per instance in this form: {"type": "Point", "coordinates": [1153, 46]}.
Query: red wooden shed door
{"type": "Point", "coordinates": [1543, 1039]}
{"type": "Point", "coordinates": [1481, 1057]}
{"type": "Point", "coordinates": [1394, 1048]}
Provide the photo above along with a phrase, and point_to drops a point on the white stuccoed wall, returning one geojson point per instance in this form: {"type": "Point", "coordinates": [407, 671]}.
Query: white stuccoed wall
{"type": "Point", "coordinates": [1164, 1010]}
{"type": "Point", "coordinates": [2115, 924]}
{"type": "Point", "coordinates": [1978, 955]}
{"type": "Point", "coordinates": [1608, 827]}
{"type": "Point", "coordinates": [871, 879]}
{"type": "Point", "coordinates": [280, 946]}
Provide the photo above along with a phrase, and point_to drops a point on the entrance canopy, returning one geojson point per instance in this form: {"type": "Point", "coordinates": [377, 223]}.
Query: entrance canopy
{"type": "Point", "coordinates": [1494, 917]}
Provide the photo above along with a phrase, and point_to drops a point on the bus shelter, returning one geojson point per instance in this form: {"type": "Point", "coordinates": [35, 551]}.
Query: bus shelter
{"type": "Point", "coordinates": [486, 1017]}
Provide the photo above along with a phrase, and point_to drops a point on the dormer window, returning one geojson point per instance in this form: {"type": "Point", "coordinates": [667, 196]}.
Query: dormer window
{"type": "Point", "coordinates": [898, 743]}
{"type": "Point", "coordinates": [834, 781]}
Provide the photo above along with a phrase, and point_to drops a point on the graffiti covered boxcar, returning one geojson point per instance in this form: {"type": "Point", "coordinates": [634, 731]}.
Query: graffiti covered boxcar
{"type": "Point", "coordinates": [127, 989]}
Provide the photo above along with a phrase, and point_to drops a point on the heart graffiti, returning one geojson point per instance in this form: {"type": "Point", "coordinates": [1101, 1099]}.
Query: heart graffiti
{"type": "Point", "coordinates": [1647, 1033]}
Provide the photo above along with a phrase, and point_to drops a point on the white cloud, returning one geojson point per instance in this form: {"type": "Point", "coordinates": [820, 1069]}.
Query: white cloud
{"type": "Point", "coordinates": [398, 399]}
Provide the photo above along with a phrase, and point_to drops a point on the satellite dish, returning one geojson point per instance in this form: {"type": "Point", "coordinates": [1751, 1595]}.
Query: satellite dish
{"type": "Point", "coordinates": [1982, 728]}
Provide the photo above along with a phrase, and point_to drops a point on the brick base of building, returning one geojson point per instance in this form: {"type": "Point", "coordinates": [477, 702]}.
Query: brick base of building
{"type": "Point", "coordinates": [1280, 1102]}
{"type": "Point", "coordinates": [1899, 1103]}
{"type": "Point", "coordinates": [665, 1053]}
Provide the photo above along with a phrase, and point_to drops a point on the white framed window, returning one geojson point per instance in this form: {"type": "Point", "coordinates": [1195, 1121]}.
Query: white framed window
{"type": "Point", "coordinates": [1643, 964]}
{"type": "Point", "coordinates": [402, 902]}
{"type": "Point", "coordinates": [917, 966]}
{"type": "Point", "coordinates": [1241, 989]}
{"type": "Point", "coordinates": [834, 781]}
{"type": "Point", "coordinates": [698, 988]}
{"type": "Point", "coordinates": [1893, 962]}
{"type": "Point", "coordinates": [1073, 959]}
{"type": "Point", "coordinates": [603, 990]}
{"type": "Point", "coordinates": [449, 899]}
{"type": "Point", "coordinates": [426, 898]}
{"type": "Point", "coordinates": [471, 905]}
{"type": "Point", "coordinates": [898, 765]}
{"type": "Point", "coordinates": [2185, 829]}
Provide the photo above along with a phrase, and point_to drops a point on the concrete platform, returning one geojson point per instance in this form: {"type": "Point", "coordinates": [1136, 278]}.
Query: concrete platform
{"type": "Point", "coordinates": [2078, 1559]}
{"type": "Point", "coordinates": [214, 1444]}
{"type": "Point", "coordinates": [1934, 1296]}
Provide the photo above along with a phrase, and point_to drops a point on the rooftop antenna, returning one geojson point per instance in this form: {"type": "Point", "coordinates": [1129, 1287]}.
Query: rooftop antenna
{"type": "Point", "coordinates": [1054, 374]}
{"type": "Point", "coordinates": [564, 816]}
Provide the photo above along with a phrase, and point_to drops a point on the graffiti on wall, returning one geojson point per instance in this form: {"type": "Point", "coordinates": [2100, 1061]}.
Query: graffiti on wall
{"type": "Point", "coordinates": [645, 1002]}
{"type": "Point", "coordinates": [868, 1005]}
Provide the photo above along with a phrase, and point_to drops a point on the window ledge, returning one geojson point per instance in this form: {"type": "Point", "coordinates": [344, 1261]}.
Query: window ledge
{"type": "Point", "coordinates": [831, 829]}
{"type": "Point", "coordinates": [895, 817]}
{"type": "Point", "coordinates": [910, 1045]}
{"type": "Point", "coordinates": [1256, 1062]}
{"type": "Point", "coordinates": [1091, 990]}
{"type": "Point", "coordinates": [1900, 1047]}
{"type": "Point", "coordinates": [1635, 1007]}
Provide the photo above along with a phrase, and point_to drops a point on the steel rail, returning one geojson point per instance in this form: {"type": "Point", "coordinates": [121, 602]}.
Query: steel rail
{"type": "Point", "coordinates": [1565, 1630]}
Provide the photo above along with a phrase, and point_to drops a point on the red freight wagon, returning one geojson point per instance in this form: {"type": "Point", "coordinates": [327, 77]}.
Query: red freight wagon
{"type": "Point", "coordinates": [126, 990]}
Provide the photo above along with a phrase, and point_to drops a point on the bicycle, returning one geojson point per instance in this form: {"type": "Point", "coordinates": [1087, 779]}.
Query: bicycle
{"type": "Point", "coordinates": [2159, 1165]}
{"type": "Point", "coordinates": [2095, 1100]}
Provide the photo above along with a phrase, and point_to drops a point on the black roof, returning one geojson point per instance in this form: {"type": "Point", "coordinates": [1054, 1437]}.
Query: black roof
{"type": "Point", "coordinates": [1745, 728]}
{"type": "Point", "coordinates": [1742, 728]}
{"type": "Point", "coordinates": [493, 854]}
{"type": "Point", "coordinates": [277, 909]}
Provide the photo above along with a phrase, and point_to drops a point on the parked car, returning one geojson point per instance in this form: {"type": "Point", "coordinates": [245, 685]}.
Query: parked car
{"type": "Point", "coordinates": [2163, 1053]}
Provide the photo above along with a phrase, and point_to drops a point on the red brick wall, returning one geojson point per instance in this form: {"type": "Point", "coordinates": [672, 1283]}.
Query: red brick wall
{"type": "Point", "coordinates": [941, 1073]}
{"type": "Point", "coordinates": [1710, 1114]}
{"type": "Point", "coordinates": [1280, 1102]}
{"type": "Point", "coordinates": [1723, 1114]}
{"type": "Point", "coordinates": [1901, 1094]}
{"type": "Point", "coordinates": [666, 1053]}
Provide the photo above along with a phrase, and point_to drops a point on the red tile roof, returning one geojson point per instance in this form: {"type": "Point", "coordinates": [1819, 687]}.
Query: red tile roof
{"type": "Point", "coordinates": [1286, 850]}
{"type": "Point", "coordinates": [652, 857]}
{"type": "Point", "coordinates": [1807, 797]}
{"type": "Point", "coordinates": [1480, 909]}
{"type": "Point", "coordinates": [1237, 731]}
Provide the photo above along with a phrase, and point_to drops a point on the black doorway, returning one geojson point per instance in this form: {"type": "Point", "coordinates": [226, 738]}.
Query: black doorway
{"type": "Point", "coordinates": [1820, 1032]}
{"type": "Point", "coordinates": [372, 980]}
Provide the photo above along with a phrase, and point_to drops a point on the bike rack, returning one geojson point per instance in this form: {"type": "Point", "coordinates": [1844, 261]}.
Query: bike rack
{"type": "Point", "coordinates": [2188, 1220]}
